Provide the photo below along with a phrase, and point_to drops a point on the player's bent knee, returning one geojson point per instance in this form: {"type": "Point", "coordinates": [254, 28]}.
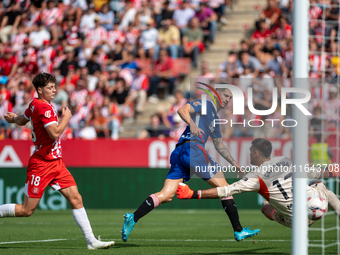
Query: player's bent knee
{"type": "Point", "coordinates": [77, 201]}
{"type": "Point", "coordinates": [25, 212]}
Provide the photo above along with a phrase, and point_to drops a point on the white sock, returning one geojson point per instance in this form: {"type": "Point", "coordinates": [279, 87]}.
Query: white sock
{"type": "Point", "coordinates": [7, 210]}
{"type": "Point", "coordinates": [83, 222]}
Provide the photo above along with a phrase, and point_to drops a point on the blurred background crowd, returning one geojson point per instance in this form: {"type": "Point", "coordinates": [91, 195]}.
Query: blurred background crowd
{"type": "Point", "coordinates": [112, 58]}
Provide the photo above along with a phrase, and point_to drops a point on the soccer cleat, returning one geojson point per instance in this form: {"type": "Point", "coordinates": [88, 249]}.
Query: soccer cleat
{"type": "Point", "coordinates": [129, 223]}
{"type": "Point", "coordinates": [245, 233]}
{"type": "Point", "coordinates": [100, 245]}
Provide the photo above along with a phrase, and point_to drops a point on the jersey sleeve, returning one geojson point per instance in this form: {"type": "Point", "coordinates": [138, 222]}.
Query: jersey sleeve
{"type": "Point", "coordinates": [248, 183]}
{"type": "Point", "coordinates": [217, 131]}
{"type": "Point", "coordinates": [47, 116]}
{"type": "Point", "coordinates": [197, 105]}
{"type": "Point", "coordinates": [27, 113]}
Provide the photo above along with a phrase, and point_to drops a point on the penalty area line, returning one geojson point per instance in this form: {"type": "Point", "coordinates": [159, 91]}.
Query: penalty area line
{"type": "Point", "coordinates": [35, 241]}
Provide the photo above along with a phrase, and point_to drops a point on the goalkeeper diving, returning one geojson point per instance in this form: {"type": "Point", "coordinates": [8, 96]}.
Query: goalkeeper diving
{"type": "Point", "coordinates": [275, 186]}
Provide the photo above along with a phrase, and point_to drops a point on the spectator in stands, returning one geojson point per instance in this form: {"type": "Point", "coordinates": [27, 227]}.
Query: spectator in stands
{"type": "Point", "coordinates": [5, 107]}
{"type": "Point", "coordinates": [92, 64]}
{"type": "Point", "coordinates": [10, 21]}
{"type": "Point", "coordinates": [332, 105]}
{"type": "Point", "coordinates": [138, 92]}
{"type": "Point", "coordinates": [218, 7]}
{"type": "Point", "coordinates": [283, 30]}
{"type": "Point", "coordinates": [264, 82]}
{"type": "Point", "coordinates": [128, 16]}
{"type": "Point", "coordinates": [21, 108]}
{"type": "Point", "coordinates": [69, 50]}
{"type": "Point", "coordinates": [205, 72]}
{"type": "Point", "coordinates": [192, 41]}
{"type": "Point", "coordinates": [18, 38]}
{"type": "Point", "coordinates": [169, 39]}
{"type": "Point", "coordinates": [276, 65]}
{"type": "Point", "coordinates": [271, 13]}
{"type": "Point", "coordinates": [31, 18]}
{"type": "Point", "coordinates": [246, 78]}
{"type": "Point", "coordinates": [144, 14]}
{"type": "Point", "coordinates": [155, 130]}
{"type": "Point", "coordinates": [148, 40]}
{"type": "Point", "coordinates": [107, 17]}
{"type": "Point", "coordinates": [119, 96]}
{"type": "Point", "coordinates": [110, 111]}
{"type": "Point", "coordinates": [183, 15]}
{"type": "Point", "coordinates": [61, 97]}
{"type": "Point", "coordinates": [72, 34]}
{"type": "Point", "coordinates": [74, 9]}
{"type": "Point", "coordinates": [99, 122]}
{"type": "Point", "coordinates": [131, 36]}
{"type": "Point", "coordinates": [207, 19]}
{"type": "Point", "coordinates": [39, 35]}
{"type": "Point", "coordinates": [87, 20]}
{"type": "Point", "coordinates": [166, 13]}
{"type": "Point", "coordinates": [48, 51]}
{"type": "Point", "coordinates": [70, 81]}
{"type": "Point", "coordinates": [51, 17]}
{"type": "Point", "coordinates": [288, 12]}
{"type": "Point", "coordinates": [180, 101]}
{"type": "Point", "coordinates": [163, 72]}
{"type": "Point", "coordinates": [247, 59]}
{"type": "Point", "coordinates": [261, 32]}
{"type": "Point", "coordinates": [130, 63]}
{"type": "Point", "coordinates": [228, 67]}
{"type": "Point", "coordinates": [98, 35]}
{"type": "Point", "coordinates": [8, 64]}
{"type": "Point", "coordinates": [29, 67]}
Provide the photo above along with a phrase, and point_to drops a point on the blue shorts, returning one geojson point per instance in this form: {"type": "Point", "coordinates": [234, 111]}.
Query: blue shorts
{"type": "Point", "coordinates": [189, 159]}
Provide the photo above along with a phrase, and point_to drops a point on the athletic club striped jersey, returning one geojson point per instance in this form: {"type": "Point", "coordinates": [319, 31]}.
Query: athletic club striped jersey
{"type": "Point", "coordinates": [114, 36]}
{"type": "Point", "coordinates": [18, 41]}
{"type": "Point", "coordinates": [96, 35]}
{"type": "Point", "coordinates": [132, 36]}
{"type": "Point", "coordinates": [51, 17]}
{"type": "Point", "coordinates": [204, 122]}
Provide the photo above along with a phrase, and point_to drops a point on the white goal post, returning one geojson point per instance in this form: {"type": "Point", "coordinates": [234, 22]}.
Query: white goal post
{"type": "Point", "coordinates": [300, 132]}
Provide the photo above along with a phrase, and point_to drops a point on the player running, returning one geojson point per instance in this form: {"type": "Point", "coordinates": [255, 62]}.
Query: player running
{"type": "Point", "coordinates": [190, 152]}
{"type": "Point", "coordinates": [275, 186]}
{"type": "Point", "coordinates": [46, 166]}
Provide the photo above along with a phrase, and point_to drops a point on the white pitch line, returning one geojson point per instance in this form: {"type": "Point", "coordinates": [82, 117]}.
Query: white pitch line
{"type": "Point", "coordinates": [35, 241]}
{"type": "Point", "coordinates": [214, 240]}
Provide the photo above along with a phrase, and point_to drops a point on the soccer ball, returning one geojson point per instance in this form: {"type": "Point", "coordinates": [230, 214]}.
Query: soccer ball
{"type": "Point", "coordinates": [317, 207]}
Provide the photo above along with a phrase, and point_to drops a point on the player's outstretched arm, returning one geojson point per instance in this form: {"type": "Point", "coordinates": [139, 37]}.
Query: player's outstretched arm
{"type": "Point", "coordinates": [184, 192]}
{"type": "Point", "coordinates": [56, 130]}
{"type": "Point", "coordinates": [11, 117]}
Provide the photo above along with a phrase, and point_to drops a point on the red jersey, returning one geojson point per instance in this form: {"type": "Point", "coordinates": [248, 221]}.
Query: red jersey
{"type": "Point", "coordinates": [7, 64]}
{"type": "Point", "coordinates": [29, 68]}
{"type": "Point", "coordinates": [41, 115]}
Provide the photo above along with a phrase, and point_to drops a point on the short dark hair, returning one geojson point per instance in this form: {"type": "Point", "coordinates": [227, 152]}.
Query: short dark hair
{"type": "Point", "coordinates": [42, 79]}
{"type": "Point", "coordinates": [263, 146]}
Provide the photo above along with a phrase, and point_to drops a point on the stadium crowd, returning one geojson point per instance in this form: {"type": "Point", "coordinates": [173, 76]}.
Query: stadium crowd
{"type": "Point", "coordinates": [92, 47]}
{"type": "Point", "coordinates": [265, 60]}
{"type": "Point", "coordinates": [98, 51]}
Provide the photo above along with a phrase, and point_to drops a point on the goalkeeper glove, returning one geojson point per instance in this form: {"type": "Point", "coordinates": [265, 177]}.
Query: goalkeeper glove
{"type": "Point", "coordinates": [184, 192]}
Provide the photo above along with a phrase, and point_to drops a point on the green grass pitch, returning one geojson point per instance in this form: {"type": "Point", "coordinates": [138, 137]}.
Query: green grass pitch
{"type": "Point", "coordinates": [202, 232]}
